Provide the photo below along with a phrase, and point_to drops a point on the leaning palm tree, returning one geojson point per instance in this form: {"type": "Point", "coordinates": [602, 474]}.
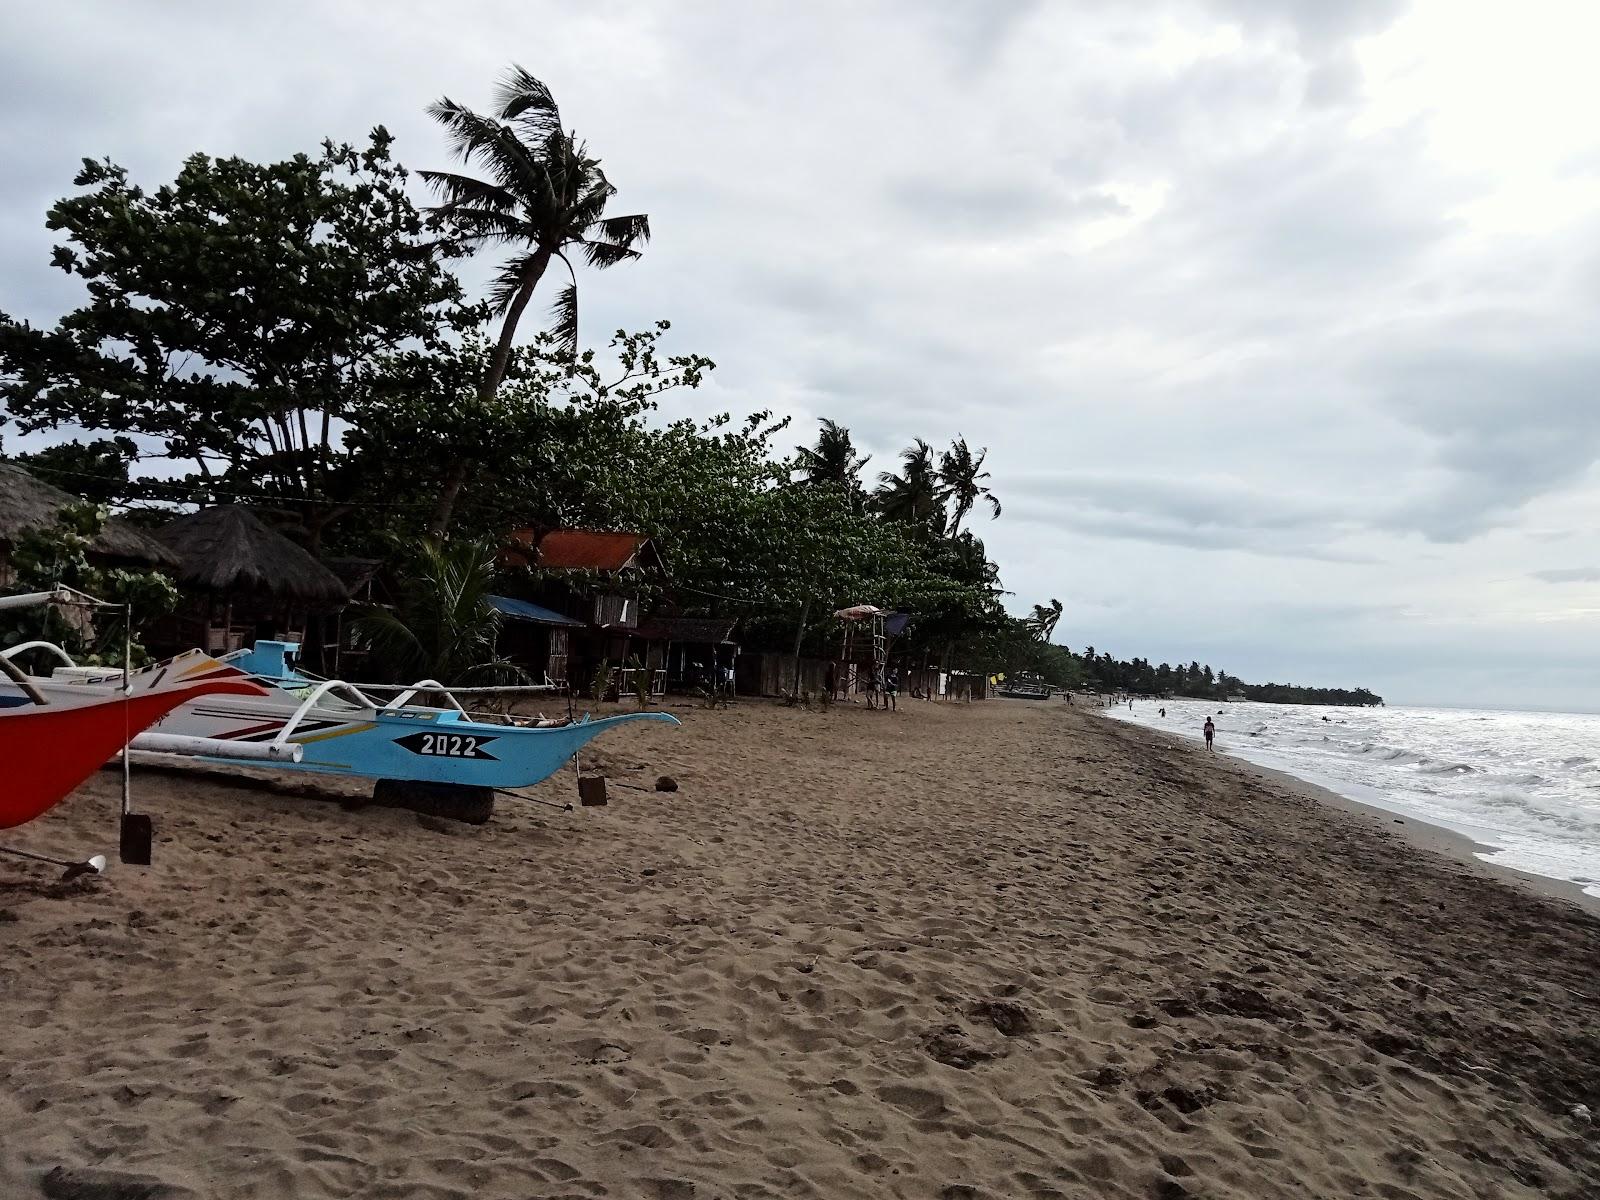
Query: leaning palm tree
{"type": "Point", "coordinates": [915, 495]}
{"type": "Point", "coordinates": [544, 198]}
{"type": "Point", "coordinates": [444, 626]}
{"type": "Point", "coordinates": [961, 475]}
{"type": "Point", "coordinates": [833, 461]}
{"type": "Point", "coordinates": [1044, 619]}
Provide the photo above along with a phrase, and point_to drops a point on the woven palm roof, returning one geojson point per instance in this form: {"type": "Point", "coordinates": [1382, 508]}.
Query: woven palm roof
{"type": "Point", "coordinates": [228, 548]}
{"type": "Point", "coordinates": [28, 503]}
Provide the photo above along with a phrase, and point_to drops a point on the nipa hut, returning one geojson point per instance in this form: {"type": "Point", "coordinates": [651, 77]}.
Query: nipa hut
{"type": "Point", "coordinates": [244, 581]}
{"type": "Point", "coordinates": [28, 504]}
{"type": "Point", "coordinates": [595, 577]}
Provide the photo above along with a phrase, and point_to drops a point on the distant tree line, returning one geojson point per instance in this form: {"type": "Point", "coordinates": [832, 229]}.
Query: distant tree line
{"type": "Point", "coordinates": [1029, 649]}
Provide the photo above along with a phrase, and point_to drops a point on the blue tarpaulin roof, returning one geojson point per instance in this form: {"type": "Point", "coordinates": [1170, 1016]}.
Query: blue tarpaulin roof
{"type": "Point", "coordinates": [521, 610]}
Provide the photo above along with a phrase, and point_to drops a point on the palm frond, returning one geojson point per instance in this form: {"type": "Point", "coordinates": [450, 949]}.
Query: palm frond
{"type": "Point", "coordinates": [485, 225]}
{"type": "Point", "coordinates": [607, 254]}
{"type": "Point", "coordinates": [564, 319]}
{"type": "Point", "coordinates": [468, 190]}
{"type": "Point", "coordinates": [476, 138]}
{"type": "Point", "coordinates": [519, 94]}
{"type": "Point", "coordinates": [508, 281]}
{"type": "Point", "coordinates": [625, 231]}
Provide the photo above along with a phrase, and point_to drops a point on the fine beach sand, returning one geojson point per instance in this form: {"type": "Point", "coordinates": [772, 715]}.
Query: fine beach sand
{"type": "Point", "coordinates": [995, 950]}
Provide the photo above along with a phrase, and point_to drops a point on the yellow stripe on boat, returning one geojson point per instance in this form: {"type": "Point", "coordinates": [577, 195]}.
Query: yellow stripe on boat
{"type": "Point", "coordinates": [335, 733]}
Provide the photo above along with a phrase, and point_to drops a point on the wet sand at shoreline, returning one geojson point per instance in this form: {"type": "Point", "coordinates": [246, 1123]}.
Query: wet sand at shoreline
{"type": "Point", "coordinates": [1003, 949]}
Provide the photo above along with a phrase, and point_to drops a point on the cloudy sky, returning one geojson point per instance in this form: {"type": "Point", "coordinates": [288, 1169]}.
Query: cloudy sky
{"type": "Point", "coordinates": [1277, 316]}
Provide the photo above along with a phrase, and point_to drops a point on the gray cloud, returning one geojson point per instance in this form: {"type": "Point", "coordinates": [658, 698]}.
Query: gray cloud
{"type": "Point", "coordinates": [1254, 385]}
{"type": "Point", "coordinates": [1568, 575]}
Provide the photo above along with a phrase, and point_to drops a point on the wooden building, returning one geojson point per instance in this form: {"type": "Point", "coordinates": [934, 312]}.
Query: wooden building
{"type": "Point", "coordinates": [695, 652]}
{"type": "Point", "coordinates": [598, 578]}
{"type": "Point", "coordinates": [536, 638]}
{"type": "Point", "coordinates": [242, 580]}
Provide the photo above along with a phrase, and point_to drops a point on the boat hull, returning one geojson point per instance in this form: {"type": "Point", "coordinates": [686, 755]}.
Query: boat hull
{"type": "Point", "coordinates": [424, 745]}
{"type": "Point", "coordinates": [48, 750]}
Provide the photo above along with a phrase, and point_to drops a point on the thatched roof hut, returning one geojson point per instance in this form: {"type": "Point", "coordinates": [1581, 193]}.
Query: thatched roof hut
{"type": "Point", "coordinates": [229, 550]}
{"type": "Point", "coordinates": [28, 503]}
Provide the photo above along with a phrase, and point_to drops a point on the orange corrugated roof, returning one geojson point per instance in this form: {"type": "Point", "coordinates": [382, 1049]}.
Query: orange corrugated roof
{"type": "Point", "coordinates": [594, 550]}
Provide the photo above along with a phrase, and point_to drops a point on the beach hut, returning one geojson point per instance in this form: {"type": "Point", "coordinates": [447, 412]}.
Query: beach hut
{"type": "Point", "coordinates": [242, 580]}
{"type": "Point", "coordinates": [28, 504]}
{"type": "Point", "coordinates": [536, 638]}
{"type": "Point", "coordinates": [597, 577]}
{"type": "Point", "coordinates": [693, 651]}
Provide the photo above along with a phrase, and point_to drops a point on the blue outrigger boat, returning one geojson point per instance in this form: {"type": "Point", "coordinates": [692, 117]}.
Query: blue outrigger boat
{"type": "Point", "coordinates": [336, 728]}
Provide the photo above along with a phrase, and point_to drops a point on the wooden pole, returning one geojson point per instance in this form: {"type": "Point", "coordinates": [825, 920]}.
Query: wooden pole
{"type": "Point", "coordinates": [799, 634]}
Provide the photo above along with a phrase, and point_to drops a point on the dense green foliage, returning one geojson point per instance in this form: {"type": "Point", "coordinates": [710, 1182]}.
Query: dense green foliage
{"type": "Point", "coordinates": [1138, 676]}
{"type": "Point", "coordinates": [442, 627]}
{"type": "Point", "coordinates": [59, 554]}
{"type": "Point", "coordinates": [235, 318]}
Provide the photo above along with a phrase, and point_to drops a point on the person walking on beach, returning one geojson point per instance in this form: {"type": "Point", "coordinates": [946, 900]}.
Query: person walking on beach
{"type": "Point", "coordinates": [1211, 732]}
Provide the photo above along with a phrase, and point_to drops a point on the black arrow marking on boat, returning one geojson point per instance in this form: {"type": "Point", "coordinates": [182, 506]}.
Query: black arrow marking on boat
{"type": "Point", "coordinates": [429, 744]}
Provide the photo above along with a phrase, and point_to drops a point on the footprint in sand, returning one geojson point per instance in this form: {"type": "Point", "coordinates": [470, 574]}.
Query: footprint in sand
{"type": "Point", "coordinates": [923, 1103]}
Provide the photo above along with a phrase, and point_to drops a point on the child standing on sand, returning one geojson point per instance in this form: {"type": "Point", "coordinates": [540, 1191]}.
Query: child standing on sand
{"type": "Point", "coordinates": [1211, 732]}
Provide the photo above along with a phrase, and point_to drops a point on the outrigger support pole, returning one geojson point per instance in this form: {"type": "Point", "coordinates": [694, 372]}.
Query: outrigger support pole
{"type": "Point", "coordinates": [90, 866]}
{"type": "Point", "coordinates": [532, 800]}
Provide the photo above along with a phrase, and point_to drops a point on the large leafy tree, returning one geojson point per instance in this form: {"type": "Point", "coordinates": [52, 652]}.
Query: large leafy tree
{"type": "Point", "coordinates": [97, 470]}
{"type": "Point", "coordinates": [542, 196]}
{"type": "Point", "coordinates": [235, 317]}
{"type": "Point", "coordinates": [914, 494]}
{"type": "Point", "coordinates": [961, 476]}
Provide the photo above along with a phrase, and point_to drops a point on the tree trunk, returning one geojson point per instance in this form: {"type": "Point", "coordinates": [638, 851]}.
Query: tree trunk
{"type": "Point", "coordinates": [799, 634]}
{"type": "Point", "coordinates": [508, 330]}
{"type": "Point", "coordinates": [457, 475]}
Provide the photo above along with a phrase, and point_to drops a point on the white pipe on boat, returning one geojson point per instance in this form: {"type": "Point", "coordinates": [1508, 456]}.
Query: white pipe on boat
{"type": "Point", "coordinates": [33, 599]}
{"type": "Point", "coordinates": [56, 651]}
{"type": "Point", "coordinates": [177, 743]}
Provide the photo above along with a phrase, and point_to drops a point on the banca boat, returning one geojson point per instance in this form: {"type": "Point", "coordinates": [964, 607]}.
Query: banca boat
{"type": "Point", "coordinates": [332, 727]}
{"type": "Point", "coordinates": [1024, 686]}
{"type": "Point", "coordinates": [54, 736]}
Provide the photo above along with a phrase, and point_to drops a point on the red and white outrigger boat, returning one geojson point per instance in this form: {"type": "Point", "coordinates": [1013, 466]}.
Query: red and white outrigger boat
{"type": "Point", "coordinates": [53, 738]}
{"type": "Point", "coordinates": [50, 742]}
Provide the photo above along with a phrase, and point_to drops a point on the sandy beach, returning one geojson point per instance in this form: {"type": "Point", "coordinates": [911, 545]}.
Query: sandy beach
{"type": "Point", "coordinates": [995, 950]}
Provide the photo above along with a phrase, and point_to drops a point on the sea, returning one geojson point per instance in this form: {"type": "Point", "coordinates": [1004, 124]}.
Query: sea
{"type": "Point", "coordinates": [1524, 785]}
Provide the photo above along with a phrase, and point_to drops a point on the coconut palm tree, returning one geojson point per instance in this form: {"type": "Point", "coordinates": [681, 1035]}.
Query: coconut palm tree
{"type": "Point", "coordinates": [1044, 618]}
{"type": "Point", "coordinates": [961, 475]}
{"type": "Point", "coordinates": [915, 495]}
{"type": "Point", "coordinates": [833, 461]}
{"type": "Point", "coordinates": [544, 198]}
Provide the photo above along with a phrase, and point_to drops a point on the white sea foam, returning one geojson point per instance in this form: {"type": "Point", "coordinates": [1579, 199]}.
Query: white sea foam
{"type": "Point", "coordinates": [1523, 783]}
